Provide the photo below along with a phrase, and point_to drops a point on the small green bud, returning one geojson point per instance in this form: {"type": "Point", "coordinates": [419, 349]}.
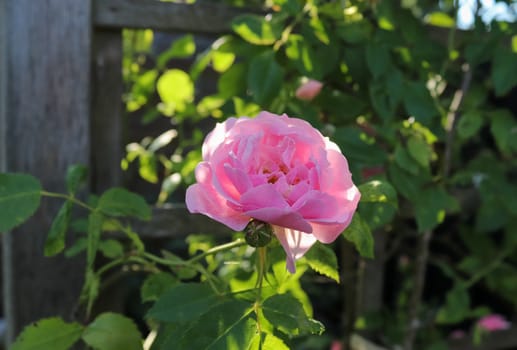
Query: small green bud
{"type": "Point", "coordinates": [258, 233]}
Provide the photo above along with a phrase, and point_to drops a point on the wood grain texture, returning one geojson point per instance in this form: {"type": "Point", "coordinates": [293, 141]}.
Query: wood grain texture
{"type": "Point", "coordinates": [47, 129]}
{"type": "Point", "coordinates": [175, 221]}
{"type": "Point", "coordinates": [164, 16]}
{"type": "Point", "coordinates": [107, 122]}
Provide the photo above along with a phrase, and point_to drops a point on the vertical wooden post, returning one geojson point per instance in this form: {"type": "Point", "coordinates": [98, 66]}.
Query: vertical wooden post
{"type": "Point", "coordinates": [107, 122]}
{"type": "Point", "coordinates": [46, 127]}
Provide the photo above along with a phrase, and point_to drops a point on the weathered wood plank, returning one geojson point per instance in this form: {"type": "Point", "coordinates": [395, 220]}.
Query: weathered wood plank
{"type": "Point", "coordinates": [164, 16]}
{"type": "Point", "coordinates": [176, 222]}
{"type": "Point", "coordinates": [107, 128]}
{"type": "Point", "coordinates": [46, 115]}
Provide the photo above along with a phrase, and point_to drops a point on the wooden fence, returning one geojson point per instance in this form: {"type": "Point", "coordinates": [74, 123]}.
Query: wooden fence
{"type": "Point", "coordinates": [60, 104]}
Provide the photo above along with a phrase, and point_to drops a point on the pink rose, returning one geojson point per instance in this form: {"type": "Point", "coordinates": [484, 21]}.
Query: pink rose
{"type": "Point", "coordinates": [309, 90]}
{"type": "Point", "coordinates": [278, 170]}
{"type": "Point", "coordinates": [493, 323]}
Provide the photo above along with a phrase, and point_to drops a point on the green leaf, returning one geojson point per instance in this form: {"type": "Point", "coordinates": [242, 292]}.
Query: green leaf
{"type": "Point", "coordinates": [181, 48]}
{"type": "Point", "coordinates": [378, 59]}
{"type": "Point", "coordinates": [228, 326]}
{"type": "Point", "coordinates": [135, 239]}
{"type": "Point", "coordinates": [175, 88]}
{"type": "Point", "coordinates": [90, 289]}
{"type": "Point", "coordinates": [155, 285]}
{"type": "Point", "coordinates": [405, 183]}
{"type": "Point", "coordinates": [357, 148]}
{"type": "Point", "coordinates": [184, 302]}
{"type": "Point", "coordinates": [359, 233]}
{"type": "Point", "coordinates": [377, 214]}
{"type": "Point", "coordinates": [111, 248]}
{"type": "Point", "coordinates": [48, 334]}
{"type": "Point", "coordinates": [121, 202]}
{"type": "Point", "coordinates": [355, 32]}
{"type": "Point", "coordinates": [405, 161]}
{"type": "Point", "coordinates": [457, 307]}
{"type": "Point", "coordinates": [378, 191]}
{"type": "Point", "coordinates": [258, 30]}
{"type": "Point", "coordinates": [287, 314]}
{"type": "Point", "coordinates": [469, 124]}
{"type": "Point", "coordinates": [233, 81]}
{"type": "Point", "coordinates": [95, 220]}
{"type": "Point", "coordinates": [504, 129]}
{"type": "Point", "coordinates": [19, 198]}
{"type": "Point", "coordinates": [319, 30]}
{"type": "Point", "coordinates": [110, 331]}
{"type": "Point", "coordinates": [222, 61]}
{"type": "Point", "coordinates": [77, 247]}
{"type": "Point", "coordinates": [55, 242]}
{"type": "Point", "coordinates": [75, 176]}
{"type": "Point", "coordinates": [504, 71]}
{"type": "Point", "coordinates": [431, 205]}
{"type": "Point", "coordinates": [267, 341]}
{"type": "Point", "coordinates": [440, 19]}
{"type": "Point", "coordinates": [322, 259]}
{"type": "Point", "coordinates": [265, 78]}
{"type": "Point", "coordinates": [419, 150]}
{"type": "Point", "coordinates": [419, 103]}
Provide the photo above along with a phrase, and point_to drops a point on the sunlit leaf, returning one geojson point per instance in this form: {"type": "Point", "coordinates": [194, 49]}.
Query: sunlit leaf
{"type": "Point", "coordinates": [322, 259]}
{"type": "Point", "coordinates": [175, 88]}
{"type": "Point", "coordinates": [287, 314]}
{"type": "Point", "coordinates": [181, 48]}
{"type": "Point", "coordinates": [256, 29]}
{"type": "Point", "coordinates": [359, 233]}
{"type": "Point", "coordinates": [440, 19]}
{"type": "Point", "coordinates": [378, 191]}
{"type": "Point", "coordinates": [110, 331]}
{"type": "Point", "coordinates": [227, 326]}
{"type": "Point", "coordinates": [419, 150]}
{"type": "Point", "coordinates": [267, 341]}
{"type": "Point", "coordinates": [48, 334]}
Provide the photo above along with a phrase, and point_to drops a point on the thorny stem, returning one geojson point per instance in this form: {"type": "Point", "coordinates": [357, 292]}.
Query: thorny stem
{"type": "Point", "coordinates": [220, 248]}
{"type": "Point", "coordinates": [261, 262]}
{"type": "Point", "coordinates": [67, 197]}
{"type": "Point", "coordinates": [491, 266]}
{"type": "Point", "coordinates": [452, 118]}
{"type": "Point", "coordinates": [423, 248]}
{"type": "Point", "coordinates": [416, 296]}
{"type": "Point", "coordinates": [287, 31]}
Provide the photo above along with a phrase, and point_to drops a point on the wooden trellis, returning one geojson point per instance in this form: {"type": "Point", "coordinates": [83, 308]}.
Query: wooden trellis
{"type": "Point", "coordinates": [60, 104]}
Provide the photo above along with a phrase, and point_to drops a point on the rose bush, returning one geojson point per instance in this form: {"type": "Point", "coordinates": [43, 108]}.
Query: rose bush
{"type": "Point", "coordinates": [278, 170]}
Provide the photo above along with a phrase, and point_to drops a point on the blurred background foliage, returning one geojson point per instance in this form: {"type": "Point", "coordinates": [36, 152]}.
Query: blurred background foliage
{"type": "Point", "coordinates": [419, 93]}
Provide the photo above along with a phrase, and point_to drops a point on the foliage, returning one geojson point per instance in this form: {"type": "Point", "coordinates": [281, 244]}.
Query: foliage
{"type": "Point", "coordinates": [412, 101]}
{"type": "Point", "coordinates": [419, 108]}
{"type": "Point", "coordinates": [195, 303]}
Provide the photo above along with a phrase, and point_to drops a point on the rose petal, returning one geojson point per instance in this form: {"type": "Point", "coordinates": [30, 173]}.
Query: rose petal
{"type": "Point", "coordinates": [204, 199]}
{"type": "Point", "coordinates": [295, 244]}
